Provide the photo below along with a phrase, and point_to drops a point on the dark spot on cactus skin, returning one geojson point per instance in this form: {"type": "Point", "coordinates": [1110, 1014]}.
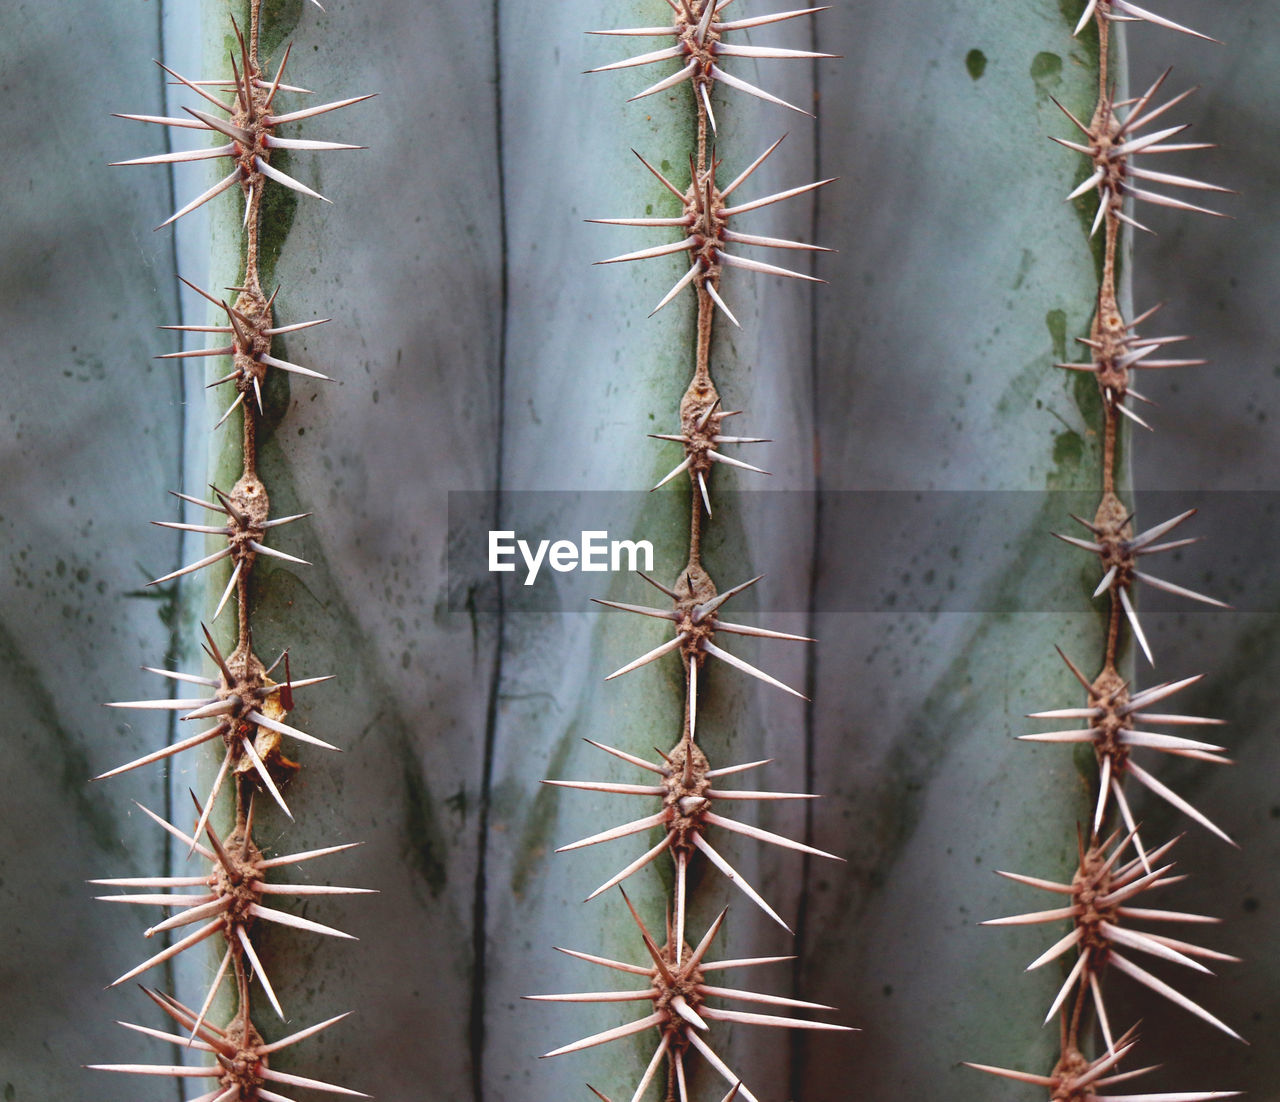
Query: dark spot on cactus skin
{"type": "Point", "coordinates": [1046, 71]}
{"type": "Point", "coordinates": [70, 754]}
{"type": "Point", "coordinates": [976, 62]}
{"type": "Point", "coordinates": [1068, 449]}
{"type": "Point", "coordinates": [535, 839]}
{"type": "Point", "coordinates": [279, 22]}
{"type": "Point", "coordinates": [1056, 321]}
{"type": "Point", "coordinates": [424, 844]}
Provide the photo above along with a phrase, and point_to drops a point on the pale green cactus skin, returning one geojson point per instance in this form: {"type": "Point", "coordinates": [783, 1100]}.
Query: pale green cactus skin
{"type": "Point", "coordinates": [458, 272]}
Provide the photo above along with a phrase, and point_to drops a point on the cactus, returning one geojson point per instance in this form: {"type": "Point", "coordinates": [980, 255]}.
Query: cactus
{"type": "Point", "coordinates": [229, 894]}
{"type": "Point", "coordinates": [688, 785]}
{"type": "Point", "coordinates": [1106, 900]}
{"type": "Point", "coordinates": [467, 303]}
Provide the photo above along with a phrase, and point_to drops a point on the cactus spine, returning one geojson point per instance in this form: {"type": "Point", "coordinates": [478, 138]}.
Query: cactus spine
{"type": "Point", "coordinates": [678, 964]}
{"type": "Point", "coordinates": [1106, 902]}
{"type": "Point", "coordinates": [233, 896]}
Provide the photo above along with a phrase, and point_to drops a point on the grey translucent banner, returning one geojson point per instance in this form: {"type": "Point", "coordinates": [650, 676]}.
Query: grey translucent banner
{"type": "Point", "coordinates": [876, 551]}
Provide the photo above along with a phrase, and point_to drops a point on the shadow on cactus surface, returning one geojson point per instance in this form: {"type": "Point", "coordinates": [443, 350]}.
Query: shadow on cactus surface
{"type": "Point", "coordinates": [475, 347]}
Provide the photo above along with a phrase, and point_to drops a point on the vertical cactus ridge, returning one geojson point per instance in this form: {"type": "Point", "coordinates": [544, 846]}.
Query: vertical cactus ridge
{"type": "Point", "coordinates": [1107, 895]}
{"type": "Point", "coordinates": [710, 246]}
{"type": "Point", "coordinates": [236, 897]}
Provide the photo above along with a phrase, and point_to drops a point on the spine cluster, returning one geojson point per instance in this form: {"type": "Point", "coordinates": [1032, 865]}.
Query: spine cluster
{"type": "Point", "coordinates": [1105, 905]}
{"type": "Point", "coordinates": [231, 889]}
{"type": "Point", "coordinates": [676, 972]}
